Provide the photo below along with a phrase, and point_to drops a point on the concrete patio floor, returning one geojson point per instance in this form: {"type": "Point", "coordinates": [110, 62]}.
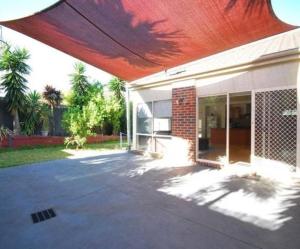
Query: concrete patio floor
{"type": "Point", "coordinates": [121, 200]}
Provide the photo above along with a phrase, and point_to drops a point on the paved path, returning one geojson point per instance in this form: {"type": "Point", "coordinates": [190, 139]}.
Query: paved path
{"type": "Point", "coordinates": [121, 200]}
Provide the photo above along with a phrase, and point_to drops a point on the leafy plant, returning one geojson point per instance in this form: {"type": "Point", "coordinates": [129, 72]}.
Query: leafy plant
{"type": "Point", "coordinates": [13, 81]}
{"type": "Point", "coordinates": [116, 113]}
{"type": "Point", "coordinates": [44, 116]}
{"type": "Point", "coordinates": [116, 104]}
{"type": "Point", "coordinates": [117, 87]}
{"type": "Point", "coordinates": [4, 132]}
{"type": "Point", "coordinates": [80, 85]}
{"type": "Point", "coordinates": [75, 140]}
{"type": "Point", "coordinates": [32, 113]}
{"type": "Point", "coordinates": [52, 96]}
{"type": "Point", "coordinates": [80, 122]}
{"type": "Point", "coordinates": [87, 107]}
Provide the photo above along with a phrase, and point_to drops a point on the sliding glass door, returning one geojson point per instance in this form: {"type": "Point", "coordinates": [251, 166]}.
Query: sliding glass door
{"type": "Point", "coordinates": [212, 128]}
{"type": "Point", "coordinates": [240, 127]}
{"type": "Point", "coordinates": [224, 128]}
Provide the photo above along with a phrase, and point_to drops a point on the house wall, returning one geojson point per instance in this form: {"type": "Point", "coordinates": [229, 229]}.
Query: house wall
{"type": "Point", "coordinates": [280, 69]}
{"type": "Point", "coordinates": [275, 76]}
{"type": "Point", "coordinates": [267, 77]}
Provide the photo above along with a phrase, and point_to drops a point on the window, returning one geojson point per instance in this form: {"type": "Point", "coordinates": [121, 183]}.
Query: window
{"type": "Point", "coordinates": [144, 118]}
{"type": "Point", "coordinates": [162, 117]}
{"type": "Point", "coordinates": [153, 122]}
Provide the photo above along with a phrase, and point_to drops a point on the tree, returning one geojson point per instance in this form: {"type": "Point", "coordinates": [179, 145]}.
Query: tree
{"type": "Point", "coordinates": [116, 104]}
{"type": "Point", "coordinates": [117, 87]}
{"type": "Point", "coordinates": [52, 96]}
{"type": "Point", "coordinates": [32, 112]}
{"type": "Point", "coordinates": [13, 64]}
{"type": "Point", "coordinates": [80, 85]}
{"type": "Point", "coordinates": [87, 107]}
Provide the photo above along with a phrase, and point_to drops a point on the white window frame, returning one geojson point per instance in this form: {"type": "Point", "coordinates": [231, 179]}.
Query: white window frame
{"type": "Point", "coordinates": [152, 134]}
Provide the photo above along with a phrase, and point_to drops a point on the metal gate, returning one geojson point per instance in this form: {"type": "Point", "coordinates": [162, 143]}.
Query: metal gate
{"type": "Point", "coordinates": [275, 126]}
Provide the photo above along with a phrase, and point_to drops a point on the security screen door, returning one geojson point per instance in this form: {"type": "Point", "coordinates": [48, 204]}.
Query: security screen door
{"type": "Point", "coordinates": [276, 126]}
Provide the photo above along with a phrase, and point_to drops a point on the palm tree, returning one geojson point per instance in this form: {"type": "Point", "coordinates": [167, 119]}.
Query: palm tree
{"type": "Point", "coordinates": [13, 81]}
{"type": "Point", "coordinates": [52, 96]}
{"type": "Point", "coordinates": [79, 79]}
{"type": "Point", "coordinates": [117, 87]}
{"type": "Point", "coordinates": [80, 85]}
{"type": "Point", "coordinates": [32, 112]}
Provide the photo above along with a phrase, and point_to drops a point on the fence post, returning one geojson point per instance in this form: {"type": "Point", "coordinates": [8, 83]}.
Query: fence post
{"type": "Point", "coordinates": [121, 140]}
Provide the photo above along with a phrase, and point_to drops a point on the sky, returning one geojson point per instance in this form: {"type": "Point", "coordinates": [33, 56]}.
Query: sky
{"type": "Point", "coordinates": [50, 66]}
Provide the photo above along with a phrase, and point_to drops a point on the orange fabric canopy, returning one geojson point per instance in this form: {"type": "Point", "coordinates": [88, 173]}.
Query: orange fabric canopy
{"type": "Point", "coordinates": [136, 38]}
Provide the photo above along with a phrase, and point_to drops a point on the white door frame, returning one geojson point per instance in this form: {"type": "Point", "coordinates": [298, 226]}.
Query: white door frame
{"type": "Point", "coordinates": [197, 128]}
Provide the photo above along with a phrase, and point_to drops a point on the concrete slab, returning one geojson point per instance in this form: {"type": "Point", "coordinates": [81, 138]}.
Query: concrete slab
{"type": "Point", "coordinates": [120, 200]}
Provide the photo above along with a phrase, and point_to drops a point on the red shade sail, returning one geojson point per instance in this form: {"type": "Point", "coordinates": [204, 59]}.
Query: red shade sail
{"type": "Point", "coordinates": [135, 38]}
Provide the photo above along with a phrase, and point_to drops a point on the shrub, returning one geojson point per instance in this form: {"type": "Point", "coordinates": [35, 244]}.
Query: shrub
{"type": "Point", "coordinates": [87, 108]}
{"type": "Point", "coordinates": [75, 140]}
{"type": "Point", "coordinates": [3, 133]}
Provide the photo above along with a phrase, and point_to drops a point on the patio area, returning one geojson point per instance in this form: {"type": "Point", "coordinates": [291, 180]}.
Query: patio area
{"type": "Point", "coordinates": [122, 200]}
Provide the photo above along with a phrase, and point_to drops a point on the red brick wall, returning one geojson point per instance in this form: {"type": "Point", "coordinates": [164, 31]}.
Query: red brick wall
{"type": "Point", "coordinates": [184, 117]}
{"type": "Point", "coordinates": [23, 141]}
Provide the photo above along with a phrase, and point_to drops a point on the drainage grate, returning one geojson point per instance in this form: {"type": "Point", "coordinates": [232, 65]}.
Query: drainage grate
{"type": "Point", "coordinates": [43, 215]}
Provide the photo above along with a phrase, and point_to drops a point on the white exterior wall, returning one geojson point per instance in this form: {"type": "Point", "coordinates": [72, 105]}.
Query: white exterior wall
{"type": "Point", "coordinates": [266, 72]}
{"type": "Point", "coordinates": [275, 76]}
{"type": "Point", "coordinates": [268, 77]}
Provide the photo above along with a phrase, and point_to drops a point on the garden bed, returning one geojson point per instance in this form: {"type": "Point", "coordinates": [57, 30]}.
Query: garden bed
{"type": "Point", "coordinates": [32, 141]}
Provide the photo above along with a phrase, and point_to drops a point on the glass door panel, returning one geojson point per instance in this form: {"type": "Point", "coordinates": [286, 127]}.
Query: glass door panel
{"type": "Point", "coordinates": [240, 127]}
{"type": "Point", "coordinates": [212, 128]}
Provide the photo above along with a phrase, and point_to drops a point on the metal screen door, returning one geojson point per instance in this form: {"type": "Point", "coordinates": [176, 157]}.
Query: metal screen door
{"type": "Point", "coordinates": [276, 126]}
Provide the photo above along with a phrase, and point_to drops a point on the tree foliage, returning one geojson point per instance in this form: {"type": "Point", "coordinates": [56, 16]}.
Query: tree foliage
{"type": "Point", "coordinates": [52, 96]}
{"type": "Point", "coordinates": [80, 85]}
{"type": "Point", "coordinates": [31, 113]}
{"type": "Point", "coordinates": [13, 64]}
{"type": "Point", "coordinates": [87, 108]}
{"type": "Point", "coordinates": [117, 87]}
{"type": "Point", "coordinates": [34, 114]}
{"type": "Point", "coordinates": [116, 104]}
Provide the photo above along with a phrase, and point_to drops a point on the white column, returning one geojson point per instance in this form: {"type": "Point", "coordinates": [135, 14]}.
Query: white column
{"type": "Point", "coordinates": [128, 117]}
{"type": "Point", "coordinates": [227, 127]}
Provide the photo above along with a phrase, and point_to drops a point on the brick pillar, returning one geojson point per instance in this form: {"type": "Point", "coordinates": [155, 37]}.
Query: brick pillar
{"type": "Point", "coordinates": [184, 121]}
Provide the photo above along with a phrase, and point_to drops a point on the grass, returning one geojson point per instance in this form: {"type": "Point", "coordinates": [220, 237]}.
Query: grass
{"type": "Point", "coordinates": [14, 157]}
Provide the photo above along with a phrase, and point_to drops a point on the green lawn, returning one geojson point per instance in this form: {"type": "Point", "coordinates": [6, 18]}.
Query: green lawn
{"type": "Point", "coordinates": [10, 157]}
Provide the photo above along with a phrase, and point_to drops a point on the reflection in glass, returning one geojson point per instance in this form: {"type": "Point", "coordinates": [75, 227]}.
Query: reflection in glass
{"type": "Point", "coordinates": [144, 118]}
{"type": "Point", "coordinates": [240, 128]}
{"type": "Point", "coordinates": [212, 128]}
{"type": "Point", "coordinates": [162, 117]}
